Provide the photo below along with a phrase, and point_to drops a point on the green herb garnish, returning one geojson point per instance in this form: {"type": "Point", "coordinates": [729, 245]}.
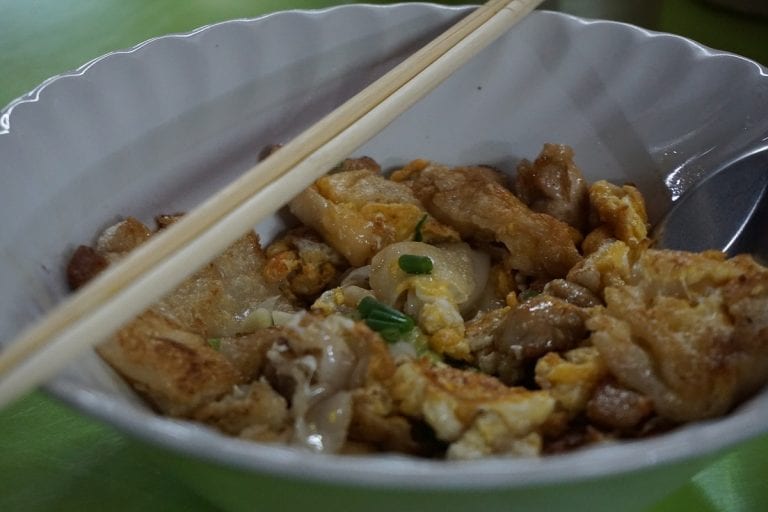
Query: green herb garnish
{"type": "Point", "coordinates": [390, 323]}
{"type": "Point", "coordinates": [417, 237]}
{"type": "Point", "coordinates": [413, 264]}
{"type": "Point", "coordinates": [215, 343]}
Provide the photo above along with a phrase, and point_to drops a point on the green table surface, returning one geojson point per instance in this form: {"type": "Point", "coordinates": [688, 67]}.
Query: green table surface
{"type": "Point", "coordinates": [53, 458]}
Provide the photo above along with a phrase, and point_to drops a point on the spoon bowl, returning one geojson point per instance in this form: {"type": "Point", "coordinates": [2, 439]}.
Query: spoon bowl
{"type": "Point", "coordinates": [727, 210]}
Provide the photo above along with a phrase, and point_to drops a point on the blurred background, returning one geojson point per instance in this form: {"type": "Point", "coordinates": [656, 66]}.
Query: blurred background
{"type": "Point", "coordinates": [40, 38]}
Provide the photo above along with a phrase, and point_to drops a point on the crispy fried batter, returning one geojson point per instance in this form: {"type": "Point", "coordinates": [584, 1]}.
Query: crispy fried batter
{"type": "Point", "coordinates": [473, 201]}
{"type": "Point", "coordinates": [376, 421]}
{"type": "Point", "coordinates": [609, 265]}
{"type": "Point", "coordinates": [255, 408]}
{"type": "Point", "coordinates": [620, 211]}
{"type": "Point", "coordinates": [571, 378]}
{"type": "Point", "coordinates": [690, 331]}
{"type": "Point", "coordinates": [475, 412]}
{"type": "Point", "coordinates": [359, 212]}
{"type": "Point", "coordinates": [175, 369]}
{"type": "Point", "coordinates": [165, 352]}
{"type": "Point", "coordinates": [219, 299]}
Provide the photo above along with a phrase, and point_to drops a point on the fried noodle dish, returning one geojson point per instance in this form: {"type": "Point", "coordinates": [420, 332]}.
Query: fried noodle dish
{"type": "Point", "coordinates": [447, 313]}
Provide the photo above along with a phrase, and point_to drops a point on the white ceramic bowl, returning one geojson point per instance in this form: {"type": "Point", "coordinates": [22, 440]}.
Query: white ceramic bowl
{"type": "Point", "coordinates": [158, 127]}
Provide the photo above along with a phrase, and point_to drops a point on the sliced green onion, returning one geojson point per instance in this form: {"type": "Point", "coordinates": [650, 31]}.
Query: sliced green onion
{"type": "Point", "coordinates": [387, 321]}
{"type": "Point", "coordinates": [413, 264]}
{"type": "Point", "coordinates": [417, 237]}
{"type": "Point", "coordinates": [402, 322]}
{"type": "Point", "coordinates": [390, 335]}
{"type": "Point", "coordinates": [366, 305]}
{"type": "Point", "coordinates": [215, 343]}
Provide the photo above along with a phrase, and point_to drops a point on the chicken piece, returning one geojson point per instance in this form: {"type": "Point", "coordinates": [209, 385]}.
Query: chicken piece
{"type": "Point", "coordinates": [359, 212]}
{"type": "Point", "coordinates": [474, 201]}
{"type": "Point", "coordinates": [247, 353]}
{"type": "Point", "coordinates": [689, 331]}
{"type": "Point", "coordinates": [540, 325]}
{"type": "Point", "coordinates": [571, 378]}
{"type": "Point", "coordinates": [176, 370]}
{"type": "Point", "coordinates": [615, 407]}
{"type": "Point", "coordinates": [376, 422]}
{"type": "Point", "coordinates": [302, 264]}
{"type": "Point", "coordinates": [113, 244]}
{"type": "Point", "coordinates": [572, 293]}
{"type": "Point", "coordinates": [554, 185]}
{"type": "Point", "coordinates": [620, 211]}
{"type": "Point", "coordinates": [85, 264]}
{"type": "Point", "coordinates": [474, 412]}
{"type": "Point", "coordinates": [481, 330]}
{"type": "Point", "coordinates": [255, 409]}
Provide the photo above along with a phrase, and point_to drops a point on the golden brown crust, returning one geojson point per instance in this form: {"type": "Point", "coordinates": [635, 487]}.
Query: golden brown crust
{"type": "Point", "coordinates": [175, 369]}
{"type": "Point", "coordinates": [473, 201]}
{"type": "Point", "coordinates": [554, 185]}
{"type": "Point", "coordinates": [359, 212]}
{"type": "Point", "coordinates": [474, 412]}
{"type": "Point", "coordinates": [690, 331]}
{"type": "Point", "coordinates": [85, 264]}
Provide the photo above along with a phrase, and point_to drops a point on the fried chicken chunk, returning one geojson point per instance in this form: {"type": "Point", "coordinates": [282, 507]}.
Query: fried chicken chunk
{"type": "Point", "coordinates": [689, 331]}
{"type": "Point", "coordinates": [114, 242]}
{"type": "Point", "coordinates": [358, 212]}
{"type": "Point", "coordinates": [474, 412]}
{"type": "Point", "coordinates": [554, 185]}
{"type": "Point", "coordinates": [532, 329]}
{"type": "Point", "coordinates": [474, 201]}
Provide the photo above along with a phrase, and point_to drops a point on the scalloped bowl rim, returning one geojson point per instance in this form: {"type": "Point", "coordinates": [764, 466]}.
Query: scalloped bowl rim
{"type": "Point", "coordinates": [385, 470]}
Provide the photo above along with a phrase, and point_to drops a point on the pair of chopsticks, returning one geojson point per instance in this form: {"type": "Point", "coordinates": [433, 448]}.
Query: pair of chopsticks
{"type": "Point", "coordinates": [154, 269]}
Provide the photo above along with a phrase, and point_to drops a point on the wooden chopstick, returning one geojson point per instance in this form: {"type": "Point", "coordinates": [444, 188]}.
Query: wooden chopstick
{"type": "Point", "coordinates": [154, 269]}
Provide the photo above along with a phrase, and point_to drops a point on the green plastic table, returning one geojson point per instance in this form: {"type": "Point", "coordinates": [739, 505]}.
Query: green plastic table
{"type": "Point", "coordinates": [53, 458]}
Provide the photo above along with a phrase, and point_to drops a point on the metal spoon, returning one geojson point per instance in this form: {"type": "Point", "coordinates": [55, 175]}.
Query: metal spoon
{"type": "Point", "coordinates": [728, 210]}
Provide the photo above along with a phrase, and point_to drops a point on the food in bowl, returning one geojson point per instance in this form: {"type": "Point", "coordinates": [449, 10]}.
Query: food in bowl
{"type": "Point", "coordinates": [447, 312]}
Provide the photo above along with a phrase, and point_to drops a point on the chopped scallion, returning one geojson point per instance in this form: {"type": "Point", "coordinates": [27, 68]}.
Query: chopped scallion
{"type": "Point", "coordinates": [215, 343]}
{"type": "Point", "coordinates": [387, 321]}
{"type": "Point", "coordinates": [417, 236]}
{"type": "Point", "coordinates": [413, 264]}
{"type": "Point", "coordinates": [366, 305]}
